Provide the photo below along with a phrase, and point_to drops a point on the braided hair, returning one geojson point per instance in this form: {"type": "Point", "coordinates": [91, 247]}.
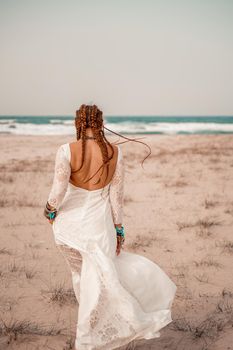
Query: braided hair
{"type": "Point", "coordinates": [89, 116]}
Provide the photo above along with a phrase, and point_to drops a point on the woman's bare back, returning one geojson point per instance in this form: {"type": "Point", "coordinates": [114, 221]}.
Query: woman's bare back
{"type": "Point", "coordinates": [92, 162]}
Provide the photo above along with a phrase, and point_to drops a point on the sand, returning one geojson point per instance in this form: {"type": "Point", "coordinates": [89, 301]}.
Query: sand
{"type": "Point", "coordinates": [178, 212]}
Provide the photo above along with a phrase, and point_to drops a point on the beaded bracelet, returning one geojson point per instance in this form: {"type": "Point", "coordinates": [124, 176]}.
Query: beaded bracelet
{"type": "Point", "coordinates": [120, 231]}
{"type": "Point", "coordinates": [120, 234]}
{"type": "Point", "coordinates": [50, 213]}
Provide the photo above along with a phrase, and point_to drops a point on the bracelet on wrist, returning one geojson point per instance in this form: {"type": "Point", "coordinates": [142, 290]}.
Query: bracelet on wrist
{"type": "Point", "coordinates": [49, 207]}
{"type": "Point", "coordinates": [50, 212]}
{"type": "Point", "coordinates": [120, 231]}
{"type": "Point", "coordinates": [120, 234]}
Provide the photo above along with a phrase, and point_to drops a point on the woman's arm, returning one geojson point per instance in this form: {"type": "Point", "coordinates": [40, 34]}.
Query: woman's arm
{"type": "Point", "coordinates": [116, 193]}
{"type": "Point", "coordinates": [61, 178]}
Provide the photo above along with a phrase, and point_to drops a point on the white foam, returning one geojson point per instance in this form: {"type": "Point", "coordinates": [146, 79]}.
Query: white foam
{"type": "Point", "coordinates": [66, 127]}
{"type": "Point", "coordinates": [6, 121]}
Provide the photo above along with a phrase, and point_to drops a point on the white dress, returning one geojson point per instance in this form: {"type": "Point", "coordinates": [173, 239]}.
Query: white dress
{"type": "Point", "coordinates": [121, 297]}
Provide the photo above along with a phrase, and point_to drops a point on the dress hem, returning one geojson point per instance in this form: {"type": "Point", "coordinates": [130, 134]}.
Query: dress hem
{"type": "Point", "coordinates": [146, 333]}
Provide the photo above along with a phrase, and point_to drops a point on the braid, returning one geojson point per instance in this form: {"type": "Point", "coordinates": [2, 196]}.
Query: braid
{"type": "Point", "coordinates": [91, 116]}
{"type": "Point", "coordinates": [96, 122]}
{"type": "Point", "coordinates": [83, 132]}
{"type": "Point", "coordinates": [77, 126]}
{"type": "Point", "coordinates": [80, 123]}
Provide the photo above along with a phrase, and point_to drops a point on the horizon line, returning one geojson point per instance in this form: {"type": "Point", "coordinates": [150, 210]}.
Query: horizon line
{"type": "Point", "coordinates": [119, 115]}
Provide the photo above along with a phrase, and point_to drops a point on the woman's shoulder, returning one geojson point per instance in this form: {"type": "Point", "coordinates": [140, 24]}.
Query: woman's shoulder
{"type": "Point", "coordinates": [66, 149]}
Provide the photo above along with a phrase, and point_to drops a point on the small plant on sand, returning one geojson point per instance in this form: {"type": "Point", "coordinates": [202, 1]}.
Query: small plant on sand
{"type": "Point", "coordinates": [6, 179]}
{"type": "Point", "coordinates": [142, 241]}
{"type": "Point", "coordinates": [227, 293]}
{"type": "Point", "coordinates": [227, 246]}
{"type": "Point", "coordinates": [5, 251]}
{"type": "Point", "coordinates": [13, 328]}
{"type": "Point", "coordinates": [183, 225]}
{"type": "Point", "coordinates": [14, 267]}
{"type": "Point", "coordinates": [229, 211]}
{"type": "Point", "coordinates": [203, 232]}
{"type": "Point", "coordinates": [69, 344]}
{"type": "Point", "coordinates": [177, 183]}
{"type": "Point", "coordinates": [208, 261]}
{"type": "Point", "coordinates": [210, 203]}
{"type": "Point", "coordinates": [201, 334]}
{"type": "Point", "coordinates": [30, 273]}
{"type": "Point", "coordinates": [203, 224]}
{"type": "Point", "coordinates": [61, 295]}
{"type": "Point", "coordinates": [207, 223]}
{"type": "Point", "coordinates": [4, 202]}
{"type": "Point", "coordinates": [181, 271]}
{"type": "Point", "coordinates": [203, 278]}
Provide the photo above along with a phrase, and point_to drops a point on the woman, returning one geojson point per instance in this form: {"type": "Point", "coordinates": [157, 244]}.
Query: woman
{"type": "Point", "coordinates": [122, 296]}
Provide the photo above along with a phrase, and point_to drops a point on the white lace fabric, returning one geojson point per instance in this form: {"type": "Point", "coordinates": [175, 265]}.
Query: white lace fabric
{"type": "Point", "coordinates": [62, 172]}
{"type": "Point", "coordinates": [116, 192]}
{"type": "Point", "coordinates": [74, 260]}
{"type": "Point", "coordinates": [72, 256]}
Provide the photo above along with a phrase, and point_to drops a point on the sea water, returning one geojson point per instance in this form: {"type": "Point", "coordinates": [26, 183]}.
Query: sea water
{"type": "Point", "coordinates": [64, 125]}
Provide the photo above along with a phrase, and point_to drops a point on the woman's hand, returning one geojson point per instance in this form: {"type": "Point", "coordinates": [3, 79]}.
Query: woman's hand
{"type": "Point", "coordinates": [50, 213]}
{"type": "Point", "coordinates": [120, 239]}
{"type": "Point", "coordinates": [118, 248]}
{"type": "Point", "coordinates": [51, 221]}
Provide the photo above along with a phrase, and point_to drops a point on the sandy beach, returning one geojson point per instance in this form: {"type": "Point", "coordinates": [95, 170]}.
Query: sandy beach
{"type": "Point", "coordinates": [178, 212]}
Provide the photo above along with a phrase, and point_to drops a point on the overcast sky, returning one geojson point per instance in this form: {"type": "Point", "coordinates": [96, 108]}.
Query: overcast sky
{"type": "Point", "coordinates": [129, 57]}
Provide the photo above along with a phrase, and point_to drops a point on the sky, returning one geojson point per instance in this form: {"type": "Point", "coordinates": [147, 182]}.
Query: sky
{"type": "Point", "coordinates": [147, 57]}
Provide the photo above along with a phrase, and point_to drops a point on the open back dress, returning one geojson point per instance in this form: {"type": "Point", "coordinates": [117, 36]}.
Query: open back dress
{"type": "Point", "coordinates": [121, 297]}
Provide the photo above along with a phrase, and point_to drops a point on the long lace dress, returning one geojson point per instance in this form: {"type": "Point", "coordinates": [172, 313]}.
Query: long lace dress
{"type": "Point", "coordinates": [121, 297]}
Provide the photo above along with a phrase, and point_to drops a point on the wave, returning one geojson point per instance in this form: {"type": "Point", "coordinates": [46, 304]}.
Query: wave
{"type": "Point", "coordinates": [7, 121]}
{"type": "Point", "coordinates": [170, 128]}
{"type": "Point", "coordinates": [66, 127]}
{"type": "Point", "coordinates": [60, 121]}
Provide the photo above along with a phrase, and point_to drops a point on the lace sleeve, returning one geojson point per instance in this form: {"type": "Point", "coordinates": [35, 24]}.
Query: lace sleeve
{"type": "Point", "coordinates": [116, 193]}
{"type": "Point", "coordinates": [61, 178]}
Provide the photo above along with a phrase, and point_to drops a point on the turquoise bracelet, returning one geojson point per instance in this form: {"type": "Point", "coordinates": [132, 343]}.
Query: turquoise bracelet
{"type": "Point", "coordinates": [120, 231]}
{"type": "Point", "coordinates": [52, 215]}
{"type": "Point", "coordinates": [120, 235]}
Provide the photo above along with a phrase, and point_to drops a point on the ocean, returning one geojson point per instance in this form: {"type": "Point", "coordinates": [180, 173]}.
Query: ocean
{"type": "Point", "coordinates": [64, 125]}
